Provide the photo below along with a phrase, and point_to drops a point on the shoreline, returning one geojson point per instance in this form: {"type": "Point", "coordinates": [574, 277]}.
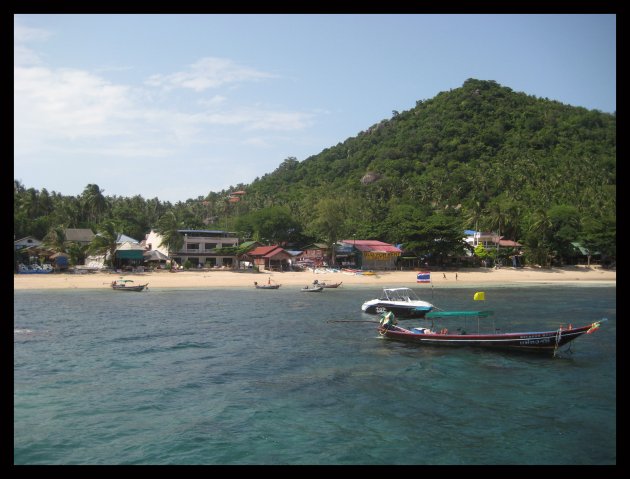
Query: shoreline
{"type": "Point", "coordinates": [473, 277]}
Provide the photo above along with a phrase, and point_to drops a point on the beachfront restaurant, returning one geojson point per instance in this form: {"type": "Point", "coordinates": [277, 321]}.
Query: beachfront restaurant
{"type": "Point", "coordinates": [368, 254]}
{"type": "Point", "coordinates": [129, 256]}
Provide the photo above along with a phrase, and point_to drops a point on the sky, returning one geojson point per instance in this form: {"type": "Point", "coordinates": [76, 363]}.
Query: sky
{"type": "Point", "coordinates": [177, 106]}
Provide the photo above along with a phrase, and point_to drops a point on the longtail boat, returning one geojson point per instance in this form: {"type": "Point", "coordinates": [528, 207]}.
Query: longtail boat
{"type": "Point", "coordinates": [549, 341]}
{"type": "Point", "coordinates": [123, 285]}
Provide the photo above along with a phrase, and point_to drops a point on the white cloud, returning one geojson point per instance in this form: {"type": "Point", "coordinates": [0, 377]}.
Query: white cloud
{"type": "Point", "coordinates": [213, 102]}
{"type": "Point", "coordinates": [67, 103]}
{"type": "Point", "coordinates": [23, 55]}
{"type": "Point", "coordinates": [72, 125]}
{"type": "Point", "coordinates": [208, 73]}
{"type": "Point", "coordinates": [24, 34]}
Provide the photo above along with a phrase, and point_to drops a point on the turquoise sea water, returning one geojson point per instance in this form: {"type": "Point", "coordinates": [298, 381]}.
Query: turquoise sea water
{"type": "Point", "coordinates": [246, 376]}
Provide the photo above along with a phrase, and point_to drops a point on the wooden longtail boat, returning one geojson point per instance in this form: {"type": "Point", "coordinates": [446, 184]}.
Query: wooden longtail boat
{"type": "Point", "coordinates": [327, 285]}
{"type": "Point", "coordinates": [266, 286]}
{"type": "Point", "coordinates": [536, 341]}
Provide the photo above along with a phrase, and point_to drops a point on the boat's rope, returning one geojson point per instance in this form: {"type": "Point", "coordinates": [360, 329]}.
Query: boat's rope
{"type": "Point", "coordinates": [351, 321]}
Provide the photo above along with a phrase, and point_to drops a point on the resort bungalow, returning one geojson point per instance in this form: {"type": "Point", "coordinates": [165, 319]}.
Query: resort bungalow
{"type": "Point", "coordinates": [271, 258]}
{"type": "Point", "coordinates": [488, 240]}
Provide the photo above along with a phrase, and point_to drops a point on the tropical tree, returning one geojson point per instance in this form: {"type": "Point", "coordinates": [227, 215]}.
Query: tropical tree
{"type": "Point", "coordinates": [270, 225]}
{"type": "Point", "coordinates": [439, 236]}
{"type": "Point", "coordinates": [55, 239]}
{"type": "Point", "coordinates": [168, 227]}
{"type": "Point", "coordinates": [328, 222]}
{"type": "Point", "coordinates": [104, 241]}
{"type": "Point", "coordinates": [497, 216]}
{"type": "Point", "coordinates": [94, 202]}
{"type": "Point", "coordinates": [540, 228]}
{"type": "Point", "coordinates": [600, 235]}
{"type": "Point", "coordinates": [566, 230]}
{"type": "Point", "coordinates": [77, 252]}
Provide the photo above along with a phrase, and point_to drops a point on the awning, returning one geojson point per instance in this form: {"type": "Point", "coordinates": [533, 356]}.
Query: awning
{"type": "Point", "coordinates": [129, 254]}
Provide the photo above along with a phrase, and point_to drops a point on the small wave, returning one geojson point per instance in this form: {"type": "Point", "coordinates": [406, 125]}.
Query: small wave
{"type": "Point", "coordinates": [22, 331]}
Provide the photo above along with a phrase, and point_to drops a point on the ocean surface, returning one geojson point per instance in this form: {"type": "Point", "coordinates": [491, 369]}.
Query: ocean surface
{"type": "Point", "coordinates": [280, 377]}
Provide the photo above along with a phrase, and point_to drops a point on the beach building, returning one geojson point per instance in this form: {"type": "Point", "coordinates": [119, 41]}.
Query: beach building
{"type": "Point", "coordinates": [368, 254]}
{"type": "Point", "coordinates": [271, 258]}
{"type": "Point", "coordinates": [201, 248]}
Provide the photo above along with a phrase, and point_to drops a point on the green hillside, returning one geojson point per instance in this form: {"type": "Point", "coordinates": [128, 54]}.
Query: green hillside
{"type": "Point", "coordinates": [482, 153]}
{"type": "Point", "coordinates": [477, 157]}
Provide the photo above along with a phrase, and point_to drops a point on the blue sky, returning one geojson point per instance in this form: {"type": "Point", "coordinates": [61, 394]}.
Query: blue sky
{"type": "Point", "coordinates": [177, 106]}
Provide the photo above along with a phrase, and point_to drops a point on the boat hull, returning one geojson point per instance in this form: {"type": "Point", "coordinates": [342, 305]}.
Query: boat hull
{"type": "Point", "coordinates": [316, 289]}
{"type": "Point", "coordinates": [546, 341]}
{"type": "Point", "coordinates": [402, 302]}
{"type": "Point", "coordinates": [400, 311]}
{"type": "Point", "coordinates": [130, 288]}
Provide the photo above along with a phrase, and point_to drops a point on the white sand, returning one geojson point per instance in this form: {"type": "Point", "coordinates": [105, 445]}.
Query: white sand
{"type": "Point", "coordinates": [578, 275]}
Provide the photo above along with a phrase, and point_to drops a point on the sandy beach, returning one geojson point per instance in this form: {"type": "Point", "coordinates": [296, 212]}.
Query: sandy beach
{"type": "Point", "coordinates": [578, 275]}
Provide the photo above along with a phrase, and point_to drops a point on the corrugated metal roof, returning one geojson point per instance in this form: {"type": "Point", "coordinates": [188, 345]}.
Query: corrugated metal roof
{"type": "Point", "coordinates": [79, 234]}
{"type": "Point", "coordinates": [262, 250]}
{"type": "Point", "coordinates": [508, 243]}
{"type": "Point", "coordinates": [123, 238]}
{"type": "Point", "coordinates": [205, 231]}
{"type": "Point", "coordinates": [372, 245]}
{"type": "Point", "coordinates": [129, 246]}
{"type": "Point", "coordinates": [276, 252]}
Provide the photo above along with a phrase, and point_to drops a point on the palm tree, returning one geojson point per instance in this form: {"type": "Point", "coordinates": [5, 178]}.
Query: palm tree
{"type": "Point", "coordinates": [328, 222]}
{"type": "Point", "coordinates": [55, 239]}
{"type": "Point", "coordinates": [105, 242]}
{"type": "Point", "coordinates": [168, 226]}
{"type": "Point", "coordinates": [542, 224]}
{"type": "Point", "coordinates": [497, 217]}
{"type": "Point", "coordinates": [540, 227]}
{"type": "Point", "coordinates": [94, 202]}
{"type": "Point", "coordinates": [474, 214]}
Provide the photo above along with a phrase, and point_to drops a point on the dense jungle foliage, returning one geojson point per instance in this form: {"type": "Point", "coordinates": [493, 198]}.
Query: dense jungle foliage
{"type": "Point", "coordinates": [479, 157]}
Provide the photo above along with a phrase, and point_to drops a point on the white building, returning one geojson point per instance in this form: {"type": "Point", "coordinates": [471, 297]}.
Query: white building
{"type": "Point", "coordinates": [200, 248]}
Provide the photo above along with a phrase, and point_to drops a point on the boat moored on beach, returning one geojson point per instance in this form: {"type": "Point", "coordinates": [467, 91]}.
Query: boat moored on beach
{"type": "Point", "coordinates": [312, 289]}
{"type": "Point", "coordinates": [323, 284]}
{"type": "Point", "coordinates": [124, 285]}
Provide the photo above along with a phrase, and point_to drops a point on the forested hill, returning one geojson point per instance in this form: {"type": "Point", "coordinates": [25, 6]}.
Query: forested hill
{"type": "Point", "coordinates": [465, 152]}
{"type": "Point", "coordinates": [477, 157]}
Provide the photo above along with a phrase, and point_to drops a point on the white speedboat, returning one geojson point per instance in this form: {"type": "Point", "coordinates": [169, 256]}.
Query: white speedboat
{"type": "Point", "coordinates": [403, 302]}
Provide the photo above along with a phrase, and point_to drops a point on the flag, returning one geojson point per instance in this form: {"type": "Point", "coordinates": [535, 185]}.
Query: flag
{"type": "Point", "coordinates": [593, 327]}
{"type": "Point", "coordinates": [423, 277]}
{"type": "Point", "coordinates": [479, 296]}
